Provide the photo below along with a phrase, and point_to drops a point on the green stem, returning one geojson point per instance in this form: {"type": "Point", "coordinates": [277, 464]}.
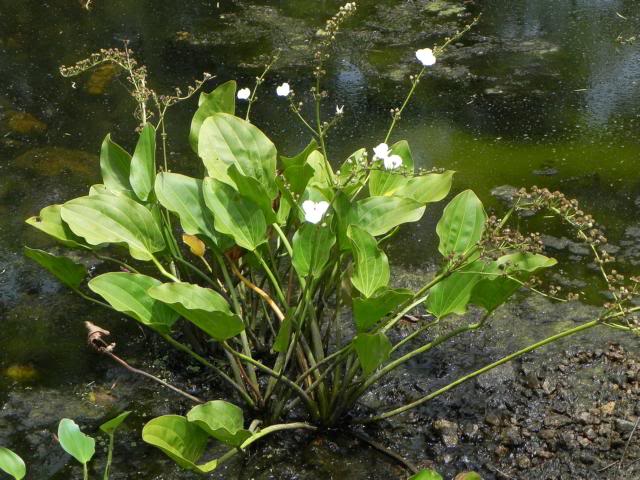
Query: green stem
{"type": "Point", "coordinates": [163, 270]}
{"type": "Point", "coordinates": [115, 260]}
{"type": "Point", "coordinates": [85, 471]}
{"type": "Point", "coordinates": [283, 237]}
{"type": "Point", "coordinates": [396, 116]}
{"type": "Point", "coordinates": [109, 458]}
{"type": "Point", "coordinates": [484, 369]}
{"type": "Point", "coordinates": [272, 278]}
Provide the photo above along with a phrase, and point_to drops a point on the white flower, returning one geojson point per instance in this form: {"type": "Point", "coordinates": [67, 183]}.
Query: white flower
{"type": "Point", "coordinates": [314, 211]}
{"type": "Point", "coordinates": [392, 162]}
{"type": "Point", "coordinates": [381, 151]}
{"type": "Point", "coordinates": [426, 56]}
{"type": "Point", "coordinates": [244, 94]}
{"type": "Point", "coordinates": [283, 90]}
{"type": "Point", "coordinates": [339, 110]}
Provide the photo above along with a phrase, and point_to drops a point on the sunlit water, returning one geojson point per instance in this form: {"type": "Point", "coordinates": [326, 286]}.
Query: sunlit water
{"type": "Point", "coordinates": [547, 95]}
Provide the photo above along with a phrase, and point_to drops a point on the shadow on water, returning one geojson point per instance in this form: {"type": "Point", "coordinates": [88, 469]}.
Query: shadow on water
{"type": "Point", "coordinates": [542, 92]}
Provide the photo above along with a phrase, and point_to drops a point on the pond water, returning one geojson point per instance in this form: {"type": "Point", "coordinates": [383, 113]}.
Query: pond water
{"type": "Point", "coordinates": [543, 92]}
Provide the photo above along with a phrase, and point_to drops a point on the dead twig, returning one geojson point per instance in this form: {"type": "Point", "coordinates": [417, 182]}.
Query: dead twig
{"type": "Point", "coordinates": [95, 339]}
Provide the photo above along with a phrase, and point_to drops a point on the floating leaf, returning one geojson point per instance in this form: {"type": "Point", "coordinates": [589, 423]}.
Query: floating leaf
{"type": "Point", "coordinates": [222, 420]}
{"type": "Point", "coordinates": [114, 219]}
{"type": "Point", "coordinates": [143, 163]}
{"type": "Point", "coordinates": [115, 165]}
{"type": "Point", "coordinates": [235, 215]}
{"type": "Point", "coordinates": [50, 222]}
{"type": "Point", "coordinates": [203, 307]}
{"type": "Point", "coordinates": [64, 269]}
{"type": "Point", "coordinates": [311, 249]}
{"type": "Point", "coordinates": [368, 311]}
{"type": "Point", "coordinates": [462, 224]}
{"type": "Point", "coordinates": [221, 100]}
{"type": "Point", "coordinates": [372, 349]}
{"type": "Point", "coordinates": [109, 427]}
{"type": "Point", "coordinates": [12, 464]}
{"type": "Point", "coordinates": [80, 446]}
{"type": "Point", "coordinates": [127, 293]}
{"type": "Point", "coordinates": [226, 140]}
{"type": "Point", "coordinates": [181, 440]}
{"type": "Point", "coordinates": [183, 195]}
{"type": "Point", "coordinates": [371, 264]}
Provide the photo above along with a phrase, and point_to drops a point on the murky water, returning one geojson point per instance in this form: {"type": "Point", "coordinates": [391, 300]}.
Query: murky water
{"type": "Point", "coordinates": [542, 92]}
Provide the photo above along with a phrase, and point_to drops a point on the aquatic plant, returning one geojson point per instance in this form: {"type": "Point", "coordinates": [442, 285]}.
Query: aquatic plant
{"type": "Point", "coordinates": [280, 263]}
{"type": "Point", "coordinates": [12, 464]}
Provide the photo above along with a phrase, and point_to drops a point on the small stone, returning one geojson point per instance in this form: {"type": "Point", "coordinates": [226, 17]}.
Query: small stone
{"type": "Point", "coordinates": [548, 387]}
{"type": "Point", "coordinates": [557, 421]}
{"type": "Point", "coordinates": [448, 431]}
{"type": "Point", "coordinates": [492, 419]}
{"type": "Point", "coordinates": [511, 437]}
{"type": "Point", "coordinates": [547, 434]}
{"type": "Point", "coordinates": [583, 441]}
{"type": "Point", "coordinates": [523, 462]}
{"type": "Point", "coordinates": [501, 451]}
{"type": "Point", "coordinates": [623, 426]}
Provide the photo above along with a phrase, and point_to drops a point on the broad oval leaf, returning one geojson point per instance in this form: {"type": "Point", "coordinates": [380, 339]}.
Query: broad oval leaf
{"type": "Point", "coordinates": [373, 350]}
{"type": "Point", "coordinates": [368, 311]}
{"type": "Point", "coordinates": [428, 188]}
{"type": "Point", "coordinates": [379, 215]}
{"type": "Point", "coordinates": [12, 464]}
{"type": "Point", "coordinates": [143, 163]}
{"type": "Point", "coordinates": [226, 140]}
{"type": "Point", "coordinates": [80, 446]}
{"type": "Point", "coordinates": [114, 219]}
{"type": "Point", "coordinates": [222, 420]}
{"type": "Point", "coordinates": [371, 272]}
{"type": "Point", "coordinates": [387, 182]}
{"type": "Point", "coordinates": [426, 475]}
{"type": "Point", "coordinates": [183, 195]}
{"type": "Point", "coordinates": [235, 215]}
{"type": "Point", "coordinates": [453, 294]}
{"type": "Point", "coordinates": [64, 269]}
{"type": "Point", "coordinates": [110, 426]}
{"type": "Point", "coordinates": [254, 191]}
{"type": "Point", "coordinates": [311, 246]}
{"type": "Point", "coordinates": [301, 158]}
{"type": "Point", "coordinates": [323, 175]}
{"type": "Point", "coordinates": [115, 165]}
{"type": "Point", "coordinates": [50, 222]}
{"type": "Point", "coordinates": [127, 293]}
{"type": "Point", "coordinates": [203, 307]}
{"type": "Point", "coordinates": [221, 100]}
{"type": "Point", "coordinates": [462, 224]}
{"type": "Point", "coordinates": [182, 441]}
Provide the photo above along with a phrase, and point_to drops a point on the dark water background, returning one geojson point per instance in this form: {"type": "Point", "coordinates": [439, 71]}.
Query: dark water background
{"type": "Point", "coordinates": [542, 92]}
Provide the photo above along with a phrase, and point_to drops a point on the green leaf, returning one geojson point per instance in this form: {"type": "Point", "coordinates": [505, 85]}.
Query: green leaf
{"type": "Point", "coordinates": [428, 188]}
{"type": "Point", "coordinates": [386, 182]}
{"type": "Point", "coordinates": [379, 215]}
{"type": "Point", "coordinates": [322, 172]}
{"type": "Point", "coordinates": [12, 464]}
{"type": "Point", "coordinates": [50, 222]}
{"type": "Point", "coordinates": [227, 140]}
{"type": "Point", "coordinates": [221, 100]}
{"type": "Point", "coordinates": [462, 224]}
{"type": "Point", "coordinates": [301, 158]}
{"type": "Point", "coordinates": [372, 349]}
{"type": "Point", "coordinates": [491, 292]}
{"type": "Point", "coordinates": [115, 165]}
{"type": "Point", "coordinates": [182, 441]}
{"type": "Point", "coordinates": [109, 427]}
{"type": "Point", "coordinates": [80, 446]}
{"type": "Point", "coordinates": [127, 293]}
{"type": "Point", "coordinates": [453, 294]}
{"type": "Point", "coordinates": [67, 271]}
{"type": "Point", "coordinates": [203, 307]}
{"type": "Point", "coordinates": [311, 246]}
{"type": "Point", "coordinates": [222, 420]}
{"type": "Point", "coordinates": [468, 476]}
{"type": "Point", "coordinates": [426, 475]}
{"type": "Point", "coordinates": [368, 311]}
{"type": "Point", "coordinates": [281, 342]}
{"type": "Point", "coordinates": [254, 191]}
{"type": "Point", "coordinates": [183, 195]}
{"type": "Point", "coordinates": [235, 215]}
{"type": "Point", "coordinates": [298, 177]}
{"type": "Point", "coordinates": [143, 163]}
{"type": "Point", "coordinates": [351, 175]}
{"type": "Point", "coordinates": [114, 219]}
{"type": "Point", "coordinates": [371, 264]}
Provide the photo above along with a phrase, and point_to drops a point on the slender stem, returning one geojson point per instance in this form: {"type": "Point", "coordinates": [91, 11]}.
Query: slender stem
{"type": "Point", "coordinates": [238, 387]}
{"type": "Point", "coordinates": [264, 295]}
{"type": "Point", "coordinates": [85, 471]}
{"type": "Point", "coordinates": [163, 270]}
{"type": "Point", "coordinates": [259, 81]}
{"type": "Point", "coordinates": [397, 114]}
{"type": "Point", "coordinates": [410, 337]}
{"type": "Point", "coordinates": [283, 237]}
{"type": "Point", "coordinates": [272, 278]}
{"type": "Point", "coordinates": [115, 260]}
{"type": "Point", "coordinates": [508, 358]}
{"type": "Point", "coordinates": [91, 299]}
{"type": "Point", "coordinates": [109, 458]}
